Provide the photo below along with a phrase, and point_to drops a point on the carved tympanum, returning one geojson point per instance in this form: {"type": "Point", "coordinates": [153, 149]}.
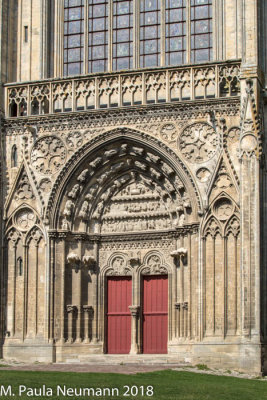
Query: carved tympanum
{"type": "Point", "coordinates": [48, 155]}
{"type": "Point", "coordinates": [118, 266]}
{"type": "Point", "coordinates": [135, 208]}
{"type": "Point", "coordinates": [154, 266]}
{"type": "Point", "coordinates": [198, 142]}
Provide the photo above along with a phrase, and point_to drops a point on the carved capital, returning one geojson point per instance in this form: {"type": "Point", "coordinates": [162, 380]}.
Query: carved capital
{"type": "Point", "coordinates": [181, 252]}
{"type": "Point", "coordinates": [177, 306]}
{"type": "Point", "coordinates": [71, 309]}
{"type": "Point", "coordinates": [185, 305]}
{"type": "Point", "coordinates": [88, 309]}
{"type": "Point", "coordinates": [73, 258]}
{"type": "Point", "coordinates": [74, 261]}
{"type": "Point", "coordinates": [134, 310]}
{"type": "Point", "coordinates": [134, 261]}
{"type": "Point", "coordinates": [89, 261]}
{"type": "Point", "coordinates": [62, 235]}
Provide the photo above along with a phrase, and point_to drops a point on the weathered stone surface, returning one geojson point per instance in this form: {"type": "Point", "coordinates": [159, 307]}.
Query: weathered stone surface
{"type": "Point", "coordinates": [162, 173]}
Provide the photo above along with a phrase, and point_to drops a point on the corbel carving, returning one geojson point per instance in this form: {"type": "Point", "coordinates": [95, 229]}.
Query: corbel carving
{"type": "Point", "coordinates": [89, 310]}
{"type": "Point", "coordinates": [89, 261]}
{"type": "Point", "coordinates": [179, 254]}
{"type": "Point", "coordinates": [74, 261]}
{"type": "Point", "coordinates": [71, 309]}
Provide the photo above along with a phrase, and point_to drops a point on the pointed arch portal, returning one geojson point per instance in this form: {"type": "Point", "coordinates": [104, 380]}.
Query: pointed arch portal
{"type": "Point", "coordinates": [122, 190]}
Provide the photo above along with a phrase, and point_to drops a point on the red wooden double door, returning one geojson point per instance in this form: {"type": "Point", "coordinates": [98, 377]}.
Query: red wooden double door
{"type": "Point", "coordinates": [154, 314]}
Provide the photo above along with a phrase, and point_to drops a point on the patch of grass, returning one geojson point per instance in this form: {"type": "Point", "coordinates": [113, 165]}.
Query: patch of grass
{"type": "Point", "coordinates": [3, 365]}
{"type": "Point", "coordinates": [202, 367]}
{"type": "Point", "coordinates": [167, 385]}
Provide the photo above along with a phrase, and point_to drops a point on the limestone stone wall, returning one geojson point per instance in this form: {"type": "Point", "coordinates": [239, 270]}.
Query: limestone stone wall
{"type": "Point", "coordinates": [96, 185]}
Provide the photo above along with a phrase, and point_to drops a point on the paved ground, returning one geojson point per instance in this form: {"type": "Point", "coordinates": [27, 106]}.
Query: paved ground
{"type": "Point", "coordinates": [120, 369]}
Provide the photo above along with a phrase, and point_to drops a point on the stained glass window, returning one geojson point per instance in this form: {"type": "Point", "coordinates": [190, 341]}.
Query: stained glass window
{"type": "Point", "coordinates": [160, 26]}
{"type": "Point", "coordinates": [98, 35]}
{"type": "Point", "coordinates": [73, 36]}
{"type": "Point", "coordinates": [122, 34]}
{"type": "Point", "coordinates": [149, 33]}
{"type": "Point", "coordinates": [175, 32]}
{"type": "Point", "coordinates": [201, 30]}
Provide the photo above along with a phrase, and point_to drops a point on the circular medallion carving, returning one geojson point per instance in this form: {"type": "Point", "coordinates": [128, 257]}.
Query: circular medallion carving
{"type": "Point", "coordinates": [203, 174]}
{"type": "Point", "coordinates": [233, 134]}
{"type": "Point", "coordinates": [198, 142]}
{"type": "Point", "coordinates": [48, 155]}
{"type": "Point", "coordinates": [223, 209]}
{"type": "Point", "coordinates": [168, 132]}
{"type": "Point", "coordinates": [25, 219]}
{"type": "Point", "coordinates": [45, 185]}
{"type": "Point", "coordinates": [249, 143]}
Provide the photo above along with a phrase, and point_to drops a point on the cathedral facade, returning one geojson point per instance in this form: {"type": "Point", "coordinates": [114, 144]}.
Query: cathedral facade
{"type": "Point", "coordinates": [133, 180]}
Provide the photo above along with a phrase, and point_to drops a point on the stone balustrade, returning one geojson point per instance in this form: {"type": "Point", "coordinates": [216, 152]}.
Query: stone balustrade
{"type": "Point", "coordinates": [133, 88]}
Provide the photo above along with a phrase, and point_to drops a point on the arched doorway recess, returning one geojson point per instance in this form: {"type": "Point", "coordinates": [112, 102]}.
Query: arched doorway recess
{"type": "Point", "coordinates": [120, 200]}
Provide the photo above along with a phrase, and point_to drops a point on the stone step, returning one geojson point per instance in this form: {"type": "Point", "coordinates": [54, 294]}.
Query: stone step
{"type": "Point", "coordinates": [111, 359]}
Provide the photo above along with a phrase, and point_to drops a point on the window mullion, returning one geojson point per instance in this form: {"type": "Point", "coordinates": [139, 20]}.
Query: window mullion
{"type": "Point", "coordinates": [136, 9]}
{"type": "Point", "coordinates": [85, 42]}
{"type": "Point", "coordinates": [110, 30]}
{"type": "Point", "coordinates": [163, 33]}
{"type": "Point", "coordinates": [188, 32]}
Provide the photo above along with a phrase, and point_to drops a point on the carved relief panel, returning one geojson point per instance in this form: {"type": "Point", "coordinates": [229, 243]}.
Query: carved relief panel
{"type": "Point", "coordinates": [136, 208]}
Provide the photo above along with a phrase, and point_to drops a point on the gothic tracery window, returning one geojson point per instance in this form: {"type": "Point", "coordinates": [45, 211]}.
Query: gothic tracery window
{"type": "Point", "coordinates": [112, 35]}
{"type": "Point", "coordinates": [98, 35]}
{"type": "Point", "coordinates": [201, 30]}
{"type": "Point", "coordinates": [122, 34]}
{"type": "Point", "coordinates": [73, 37]}
{"type": "Point", "coordinates": [150, 33]}
{"type": "Point", "coordinates": [175, 32]}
